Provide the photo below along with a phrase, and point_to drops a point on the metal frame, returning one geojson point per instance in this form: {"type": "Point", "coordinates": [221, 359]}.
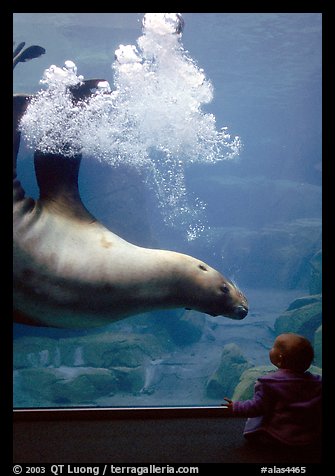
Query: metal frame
{"type": "Point", "coordinates": [111, 413]}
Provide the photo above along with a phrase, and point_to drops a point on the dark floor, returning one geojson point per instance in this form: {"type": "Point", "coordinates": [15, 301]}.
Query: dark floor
{"type": "Point", "coordinates": [144, 440]}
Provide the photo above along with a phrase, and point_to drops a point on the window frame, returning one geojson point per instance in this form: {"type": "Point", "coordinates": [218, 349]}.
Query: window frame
{"type": "Point", "coordinates": [111, 413]}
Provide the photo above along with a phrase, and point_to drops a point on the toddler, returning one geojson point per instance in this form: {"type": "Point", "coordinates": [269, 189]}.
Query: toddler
{"type": "Point", "coordinates": [286, 406]}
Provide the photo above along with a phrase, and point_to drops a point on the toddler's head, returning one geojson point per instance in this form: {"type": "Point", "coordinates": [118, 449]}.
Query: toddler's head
{"type": "Point", "coordinates": [292, 352]}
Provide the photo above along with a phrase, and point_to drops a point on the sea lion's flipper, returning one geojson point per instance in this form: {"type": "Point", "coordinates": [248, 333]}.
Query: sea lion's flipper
{"type": "Point", "coordinates": [19, 47]}
{"type": "Point", "coordinates": [21, 203]}
{"type": "Point", "coordinates": [57, 174]}
{"type": "Point", "coordinates": [20, 103]}
{"type": "Point", "coordinates": [28, 54]}
{"type": "Point", "coordinates": [57, 179]}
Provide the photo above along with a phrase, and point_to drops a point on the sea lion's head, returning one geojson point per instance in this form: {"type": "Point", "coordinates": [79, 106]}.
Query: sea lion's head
{"type": "Point", "coordinates": [210, 292]}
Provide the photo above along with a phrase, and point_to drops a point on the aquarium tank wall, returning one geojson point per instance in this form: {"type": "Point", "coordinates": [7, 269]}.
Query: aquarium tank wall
{"type": "Point", "coordinates": [202, 136]}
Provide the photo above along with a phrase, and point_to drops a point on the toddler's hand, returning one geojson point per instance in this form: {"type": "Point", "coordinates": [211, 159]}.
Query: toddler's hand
{"type": "Point", "coordinates": [229, 404]}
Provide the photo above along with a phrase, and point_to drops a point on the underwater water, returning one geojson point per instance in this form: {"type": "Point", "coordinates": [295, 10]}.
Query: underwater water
{"type": "Point", "coordinates": [203, 137]}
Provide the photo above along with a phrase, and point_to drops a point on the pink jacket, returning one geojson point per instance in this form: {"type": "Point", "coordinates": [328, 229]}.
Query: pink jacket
{"type": "Point", "coordinates": [287, 405]}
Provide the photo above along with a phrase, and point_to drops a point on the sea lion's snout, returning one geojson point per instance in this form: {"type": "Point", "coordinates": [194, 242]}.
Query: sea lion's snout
{"type": "Point", "coordinates": [240, 312]}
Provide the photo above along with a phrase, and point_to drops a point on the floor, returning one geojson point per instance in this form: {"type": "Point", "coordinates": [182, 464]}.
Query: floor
{"type": "Point", "coordinates": [144, 440]}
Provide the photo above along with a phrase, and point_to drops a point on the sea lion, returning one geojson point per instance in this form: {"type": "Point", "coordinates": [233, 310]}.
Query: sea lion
{"type": "Point", "coordinates": [72, 272]}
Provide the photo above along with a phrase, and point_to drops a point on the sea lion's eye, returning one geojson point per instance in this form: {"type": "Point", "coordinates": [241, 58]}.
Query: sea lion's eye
{"type": "Point", "coordinates": [224, 288]}
{"type": "Point", "coordinates": [201, 266]}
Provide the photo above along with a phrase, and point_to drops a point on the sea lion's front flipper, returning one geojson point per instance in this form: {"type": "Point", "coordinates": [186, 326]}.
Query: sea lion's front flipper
{"type": "Point", "coordinates": [21, 56]}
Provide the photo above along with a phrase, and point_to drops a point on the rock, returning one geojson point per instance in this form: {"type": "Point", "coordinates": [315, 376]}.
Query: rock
{"type": "Point", "coordinates": [255, 201]}
{"type": "Point", "coordinates": [245, 388]}
{"type": "Point", "coordinates": [188, 328]}
{"type": "Point", "coordinates": [276, 255]}
{"type": "Point", "coordinates": [35, 352]}
{"type": "Point", "coordinates": [302, 320]}
{"type": "Point", "coordinates": [318, 347]}
{"type": "Point", "coordinates": [66, 385]}
{"type": "Point", "coordinates": [79, 370]}
{"type": "Point", "coordinates": [315, 283]}
{"type": "Point", "coordinates": [304, 301]}
{"type": "Point", "coordinates": [225, 378]}
{"type": "Point", "coordinates": [109, 350]}
{"type": "Point", "coordinates": [130, 380]}
{"type": "Point", "coordinates": [102, 350]}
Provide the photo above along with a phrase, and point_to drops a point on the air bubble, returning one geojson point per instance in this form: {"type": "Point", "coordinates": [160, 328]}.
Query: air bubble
{"type": "Point", "coordinates": [153, 119]}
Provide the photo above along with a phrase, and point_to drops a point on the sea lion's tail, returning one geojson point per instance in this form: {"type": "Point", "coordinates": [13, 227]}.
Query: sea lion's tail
{"type": "Point", "coordinates": [66, 170]}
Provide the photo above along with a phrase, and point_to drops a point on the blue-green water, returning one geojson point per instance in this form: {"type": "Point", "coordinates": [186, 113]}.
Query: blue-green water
{"type": "Point", "coordinates": [255, 217]}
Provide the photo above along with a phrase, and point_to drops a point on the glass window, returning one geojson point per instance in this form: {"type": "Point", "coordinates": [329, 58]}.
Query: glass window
{"type": "Point", "coordinates": [201, 136]}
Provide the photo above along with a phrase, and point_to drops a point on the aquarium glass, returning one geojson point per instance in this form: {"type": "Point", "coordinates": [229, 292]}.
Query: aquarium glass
{"type": "Point", "coordinates": [202, 136]}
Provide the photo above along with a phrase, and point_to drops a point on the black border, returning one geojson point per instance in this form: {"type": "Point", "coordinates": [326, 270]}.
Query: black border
{"type": "Point", "coordinates": [323, 7]}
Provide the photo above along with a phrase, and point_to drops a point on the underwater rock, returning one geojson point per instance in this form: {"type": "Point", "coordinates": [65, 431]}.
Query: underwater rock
{"type": "Point", "coordinates": [65, 385]}
{"type": "Point", "coordinates": [227, 375]}
{"type": "Point", "coordinates": [193, 324]}
{"type": "Point", "coordinates": [245, 388]}
{"type": "Point", "coordinates": [255, 201]}
{"type": "Point", "coordinates": [315, 283]}
{"type": "Point", "coordinates": [36, 352]}
{"type": "Point", "coordinates": [110, 350]}
{"type": "Point", "coordinates": [187, 329]}
{"type": "Point", "coordinates": [276, 255]}
{"type": "Point", "coordinates": [304, 301]}
{"type": "Point", "coordinates": [303, 320]}
{"type": "Point", "coordinates": [129, 380]}
{"type": "Point", "coordinates": [96, 350]}
{"type": "Point", "coordinates": [318, 347]}
{"type": "Point", "coordinates": [81, 369]}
